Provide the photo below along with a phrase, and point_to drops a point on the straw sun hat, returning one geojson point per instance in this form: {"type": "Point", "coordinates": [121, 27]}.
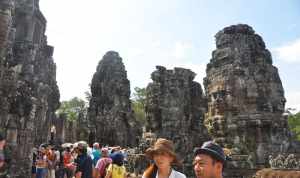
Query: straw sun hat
{"type": "Point", "coordinates": [163, 146]}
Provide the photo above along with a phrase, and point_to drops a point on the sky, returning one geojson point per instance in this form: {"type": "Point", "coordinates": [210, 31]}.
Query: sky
{"type": "Point", "coordinates": [171, 33]}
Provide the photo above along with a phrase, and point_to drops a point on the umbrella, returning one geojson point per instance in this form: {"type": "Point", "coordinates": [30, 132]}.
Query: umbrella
{"type": "Point", "coordinates": [65, 145]}
{"type": "Point", "coordinates": [44, 145]}
{"type": "Point", "coordinates": [82, 143]}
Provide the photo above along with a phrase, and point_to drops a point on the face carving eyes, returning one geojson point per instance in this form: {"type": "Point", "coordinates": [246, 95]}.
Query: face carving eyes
{"type": "Point", "coordinates": [218, 95]}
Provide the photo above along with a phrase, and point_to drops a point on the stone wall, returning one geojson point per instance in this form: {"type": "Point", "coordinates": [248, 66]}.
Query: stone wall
{"type": "Point", "coordinates": [28, 91]}
{"type": "Point", "coordinates": [175, 107]}
{"type": "Point", "coordinates": [68, 131]}
{"type": "Point", "coordinates": [110, 115]}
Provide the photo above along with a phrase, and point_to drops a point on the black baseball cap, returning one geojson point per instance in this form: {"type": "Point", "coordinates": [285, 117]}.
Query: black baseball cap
{"type": "Point", "coordinates": [212, 149]}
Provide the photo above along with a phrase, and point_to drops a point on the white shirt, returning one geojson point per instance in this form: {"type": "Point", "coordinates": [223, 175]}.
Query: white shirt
{"type": "Point", "coordinates": [174, 174]}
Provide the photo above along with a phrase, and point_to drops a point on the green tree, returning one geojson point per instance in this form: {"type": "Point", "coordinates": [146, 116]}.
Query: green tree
{"type": "Point", "coordinates": [72, 108]}
{"type": "Point", "coordinates": [138, 104]}
{"type": "Point", "coordinates": [294, 124]}
{"type": "Point", "coordinates": [139, 96]}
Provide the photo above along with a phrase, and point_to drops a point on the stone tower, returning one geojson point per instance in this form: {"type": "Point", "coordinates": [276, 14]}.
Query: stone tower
{"type": "Point", "coordinates": [110, 114]}
{"type": "Point", "coordinates": [245, 96]}
{"type": "Point", "coordinates": [29, 94]}
{"type": "Point", "coordinates": [175, 108]}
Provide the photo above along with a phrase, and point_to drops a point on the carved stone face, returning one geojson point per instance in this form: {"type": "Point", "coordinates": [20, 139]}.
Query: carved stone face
{"type": "Point", "coordinates": [218, 101]}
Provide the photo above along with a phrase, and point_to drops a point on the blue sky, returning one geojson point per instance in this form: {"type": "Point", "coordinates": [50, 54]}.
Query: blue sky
{"type": "Point", "coordinates": [164, 32]}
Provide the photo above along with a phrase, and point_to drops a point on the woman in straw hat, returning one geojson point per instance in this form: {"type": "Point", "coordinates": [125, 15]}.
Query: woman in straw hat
{"type": "Point", "coordinates": [163, 155]}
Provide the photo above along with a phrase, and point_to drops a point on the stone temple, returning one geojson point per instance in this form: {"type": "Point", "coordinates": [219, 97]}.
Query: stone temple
{"type": "Point", "coordinates": [110, 114]}
{"type": "Point", "coordinates": [242, 107]}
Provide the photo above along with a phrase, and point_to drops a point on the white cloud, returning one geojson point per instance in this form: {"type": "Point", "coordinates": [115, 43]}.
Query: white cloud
{"type": "Point", "coordinates": [181, 50]}
{"type": "Point", "coordinates": [289, 52]}
{"type": "Point", "coordinates": [293, 100]}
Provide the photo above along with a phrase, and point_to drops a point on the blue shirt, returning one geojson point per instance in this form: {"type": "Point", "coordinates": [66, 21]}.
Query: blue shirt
{"type": "Point", "coordinates": [96, 156]}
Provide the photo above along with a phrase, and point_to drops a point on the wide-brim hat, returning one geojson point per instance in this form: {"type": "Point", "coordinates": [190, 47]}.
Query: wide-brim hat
{"type": "Point", "coordinates": [212, 149]}
{"type": "Point", "coordinates": [163, 146]}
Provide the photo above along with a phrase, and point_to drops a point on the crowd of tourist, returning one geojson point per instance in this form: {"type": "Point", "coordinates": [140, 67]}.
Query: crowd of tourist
{"type": "Point", "coordinates": [78, 160]}
{"type": "Point", "coordinates": [81, 161]}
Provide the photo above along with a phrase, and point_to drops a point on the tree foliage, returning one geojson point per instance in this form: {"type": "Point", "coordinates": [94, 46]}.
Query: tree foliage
{"type": "Point", "coordinates": [72, 108]}
{"type": "Point", "coordinates": [138, 104]}
{"type": "Point", "coordinates": [294, 124]}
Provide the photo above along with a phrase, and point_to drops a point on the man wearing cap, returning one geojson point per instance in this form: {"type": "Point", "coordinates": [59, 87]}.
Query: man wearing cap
{"type": "Point", "coordinates": [209, 161]}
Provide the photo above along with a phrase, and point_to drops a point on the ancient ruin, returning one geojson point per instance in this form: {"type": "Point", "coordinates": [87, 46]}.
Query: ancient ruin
{"type": "Point", "coordinates": [175, 108]}
{"type": "Point", "coordinates": [29, 94]}
{"type": "Point", "coordinates": [245, 99]}
{"type": "Point", "coordinates": [242, 108]}
{"type": "Point", "coordinates": [70, 131]}
{"type": "Point", "coordinates": [110, 112]}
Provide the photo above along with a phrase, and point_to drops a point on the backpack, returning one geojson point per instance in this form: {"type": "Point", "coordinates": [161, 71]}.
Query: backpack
{"type": "Point", "coordinates": [104, 171]}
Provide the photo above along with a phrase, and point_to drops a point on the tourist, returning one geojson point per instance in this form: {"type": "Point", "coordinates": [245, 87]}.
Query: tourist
{"type": "Point", "coordinates": [41, 163]}
{"type": "Point", "coordinates": [89, 149]}
{"type": "Point", "coordinates": [209, 161]}
{"type": "Point", "coordinates": [51, 161]}
{"type": "Point", "coordinates": [59, 171]}
{"type": "Point", "coordinates": [163, 155]}
{"type": "Point", "coordinates": [33, 164]}
{"type": "Point", "coordinates": [96, 153]}
{"type": "Point", "coordinates": [102, 164]}
{"type": "Point", "coordinates": [68, 163]}
{"type": "Point", "coordinates": [2, 144]}
{"type": "Point", "coordinates": [84, 162]}
{"type": "Point", "coordinates": [117, 168]}
{"type": "Point", "coordinates": [52, 134]}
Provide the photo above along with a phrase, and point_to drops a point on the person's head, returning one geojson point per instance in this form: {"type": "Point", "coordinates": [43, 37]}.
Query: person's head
{"type": "Point", "coordinates": [42, 150]}
{"type": "Point", "coordinates": [82, 148]}
{"type": "Point", "coordinates": [163, 154]}
{"type": "Point", "coordinates": [104, 152]}
{"type": "Point", "coordinates": [50, 147]}
{"type": "Point", "coordinates": [96, 145]}
{"type": "Point", "coordinates": [117, 158]}
{"type": "Point", "coordinates": [209, 161]}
